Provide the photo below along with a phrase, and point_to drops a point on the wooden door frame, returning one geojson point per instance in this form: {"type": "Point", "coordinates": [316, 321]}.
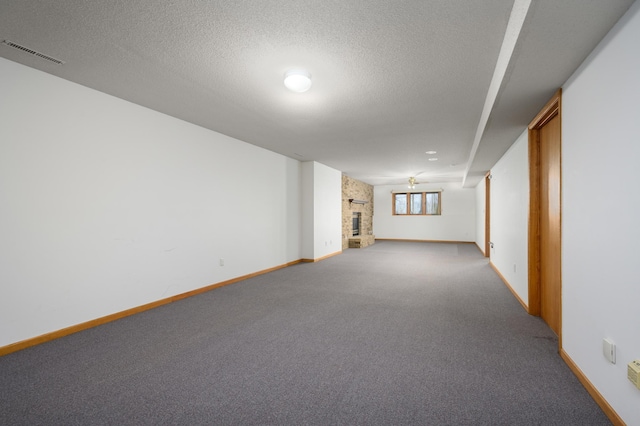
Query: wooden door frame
{"type": "Point", "coordinates": [552, 109]}
{"type": "Point", "coordinates": [487, 214]}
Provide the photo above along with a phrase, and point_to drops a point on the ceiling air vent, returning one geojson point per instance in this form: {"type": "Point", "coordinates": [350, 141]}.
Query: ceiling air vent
{"type": "Point", "coordinates": [32, 52]}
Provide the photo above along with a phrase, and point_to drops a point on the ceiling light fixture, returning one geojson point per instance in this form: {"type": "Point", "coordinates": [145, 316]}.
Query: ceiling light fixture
{"type": "Point", "coordinates": [297, 80]}
{"type": "Point", "coordinates": [430, 152]}
{"type": "Point", "coordinates": [433, 159]}
{"type": "Point", "coordinates": [412, 182]}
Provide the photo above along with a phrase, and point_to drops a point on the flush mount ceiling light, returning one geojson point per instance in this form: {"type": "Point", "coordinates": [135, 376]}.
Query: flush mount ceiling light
{"type": "Point", "coordinates": [430, 152]}
{"type": "Point", "coordinates": [297, 80]}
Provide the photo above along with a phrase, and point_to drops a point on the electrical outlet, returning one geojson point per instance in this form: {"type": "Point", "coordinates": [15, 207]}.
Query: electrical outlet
{"type": "Point", "coordinates": [633, 372]}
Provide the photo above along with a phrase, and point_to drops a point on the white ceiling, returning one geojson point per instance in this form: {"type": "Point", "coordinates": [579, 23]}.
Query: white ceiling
{"type": "Point", "coordinates": [391, 79]}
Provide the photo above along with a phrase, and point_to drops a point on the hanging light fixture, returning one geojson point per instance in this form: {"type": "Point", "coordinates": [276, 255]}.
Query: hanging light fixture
{"type": "Point", "coordinates": [297, 80]}
{"type": "Point", "coordinates": [412, 182]}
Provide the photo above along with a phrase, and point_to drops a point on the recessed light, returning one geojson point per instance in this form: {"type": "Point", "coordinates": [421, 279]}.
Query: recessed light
{"type": "Point", "coordinates": [297, 80]}
{"type": "Point", "coordinates": [433, 159]}
{"type": "Point", "coordinates": [430, 152]}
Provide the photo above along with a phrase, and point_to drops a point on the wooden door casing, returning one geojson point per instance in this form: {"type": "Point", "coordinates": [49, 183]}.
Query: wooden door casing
{"type": "Point", "coordinates": [545, 215]}
{"type": "Point", "coordinates": [550, 223]}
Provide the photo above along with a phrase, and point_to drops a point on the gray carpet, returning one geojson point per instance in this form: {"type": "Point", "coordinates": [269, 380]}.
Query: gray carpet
{"type": "Point", "coordinates": [393, 334]}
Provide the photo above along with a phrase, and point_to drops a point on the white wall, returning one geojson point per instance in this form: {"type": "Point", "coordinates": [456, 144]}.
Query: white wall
{"type": "Point", "coordinates": [106, 205]}
{"type": "Point", "coordinates": [308, 214]}
{"type": "Point", "coordinates": [328, 210]}
{"type": "Point", "coordinates": [600, 211]}
{"type": "Point", "coordinates": [457, 222]}
{"type": "Point", "coordinates": [509, 216]}
{"type": "Point", "coordinates": [481, 214]}
{"type": "Point", "coordinates": [322, 210]}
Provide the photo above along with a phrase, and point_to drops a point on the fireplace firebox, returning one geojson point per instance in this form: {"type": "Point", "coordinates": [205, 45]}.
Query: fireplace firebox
{"type": "Point", "coordinates": [356, 223]}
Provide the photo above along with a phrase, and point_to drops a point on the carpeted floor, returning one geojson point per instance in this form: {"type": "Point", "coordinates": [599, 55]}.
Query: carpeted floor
{"type": "Point", "coordinates": [398, 333]}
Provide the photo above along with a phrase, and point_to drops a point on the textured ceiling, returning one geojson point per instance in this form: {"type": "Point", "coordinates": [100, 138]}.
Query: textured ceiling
{"type": "Point", "coordinates": [391, 80]}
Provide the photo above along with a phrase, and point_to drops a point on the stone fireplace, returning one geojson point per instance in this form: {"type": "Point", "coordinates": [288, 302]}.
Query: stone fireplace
{"type": "Point", "coordinates": [357, 214]}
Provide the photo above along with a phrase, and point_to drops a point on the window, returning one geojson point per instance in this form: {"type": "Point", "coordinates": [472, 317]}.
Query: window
{"type": "Point", "coordinates": [416, 203]}
{"type": "Point", "coordinates": [400, 203]}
